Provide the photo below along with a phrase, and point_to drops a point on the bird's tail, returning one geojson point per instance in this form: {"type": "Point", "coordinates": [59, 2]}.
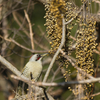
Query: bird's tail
{"type": "Point", "coordinates": [22, 88]}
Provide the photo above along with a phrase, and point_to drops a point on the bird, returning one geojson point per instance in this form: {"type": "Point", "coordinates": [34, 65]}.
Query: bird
{"type": "Point", "coordinates": [32, 70]}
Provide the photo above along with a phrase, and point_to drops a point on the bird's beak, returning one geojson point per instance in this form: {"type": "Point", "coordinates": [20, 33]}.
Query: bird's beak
{"type": "Point", "coordinates": [44, 55]}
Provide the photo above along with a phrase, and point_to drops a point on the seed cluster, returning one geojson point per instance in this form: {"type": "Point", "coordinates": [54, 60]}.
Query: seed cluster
{"type": "Point", "coordinates": [54, 11]}
{"type": "Point", "coordinates": [84, 49]}
{"type": "Point", "coordinates": [85, 45]}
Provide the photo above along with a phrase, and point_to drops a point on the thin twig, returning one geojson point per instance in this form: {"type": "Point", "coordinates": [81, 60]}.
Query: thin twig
{"type": "Point", "coordinates": [56, 54]}
{"type": "Point", "coordinates": [95, 94]}
{"type": "Point", "coordinates": [36, 51]}
{"type": "Point", "coordinates": [41, 46]}
{"type": "Point", "coordinates": [30, 26]}
{"type": "Point", "coordinates": [18, 22]}
{"type": "Point", "coordinates": [54, 75]}
{"type": "Point", "coordinates": [26, 32]}
{"type": "Point", "coordinates": [33, 51]}
{"type": "Point", "coordinates": [43, 33]}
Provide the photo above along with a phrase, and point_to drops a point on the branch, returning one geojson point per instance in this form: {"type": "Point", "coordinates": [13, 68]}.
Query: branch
{"type": "Point", "coordinates": [36, 51]}
{"type": "Point", "coordinates": [73, 64]}
{"type": "Point", "coordinates": [96, 1]}
{"type": "Point", "coordinates": [43, 33]}
{"type": "Point", "coordinates": [41, 46]}
{"type": "Point", "coordinates": [26, 32]}
{"type": "Point", "coordinates": [33, 51]}
{"type": "Point", "coordinates": [12, 68]}
{"type": "Point", "coordinates": [56, 54]}
{"type": "Point", "coordinates": [53, 84]}
{"type": "Point", "coordinates": [95, 94]}
{"type": "Point", "coordinates": [19, 23]}
{"type": "Point", "coordinates": [30, 26]}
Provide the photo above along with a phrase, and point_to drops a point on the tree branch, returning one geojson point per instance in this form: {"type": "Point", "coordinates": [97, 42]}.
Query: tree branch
{"type": "Point", "coordinates": [56, 54]}
{"type": "Point", "coordinates": [30, 26]}
{"type": "Point", "coordinates": [33, 51]}
{"type": "Point", "coordinates": [12, 68]}
{"type": "Point", "coordinates": [53, 84]}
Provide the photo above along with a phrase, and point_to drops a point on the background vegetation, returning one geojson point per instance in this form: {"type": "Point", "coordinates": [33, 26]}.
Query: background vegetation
{"type": "Point", "coordinates": [15, 33]}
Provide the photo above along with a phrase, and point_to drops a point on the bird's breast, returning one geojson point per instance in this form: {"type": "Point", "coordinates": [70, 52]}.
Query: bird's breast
{"type": "Point", "coordinates": [33, 67]}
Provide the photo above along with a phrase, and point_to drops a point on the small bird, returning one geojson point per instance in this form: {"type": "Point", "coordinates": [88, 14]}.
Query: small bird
{"type": "Point", "coordinates": [32, 70]}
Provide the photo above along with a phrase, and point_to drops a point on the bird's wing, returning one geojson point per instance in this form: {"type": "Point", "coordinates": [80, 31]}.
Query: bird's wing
{"type": "Point", "coordinates": [24, 69]}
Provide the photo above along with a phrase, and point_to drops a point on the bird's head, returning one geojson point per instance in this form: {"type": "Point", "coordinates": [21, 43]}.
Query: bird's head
{"type": "Point", "coordinates": [36, 57]}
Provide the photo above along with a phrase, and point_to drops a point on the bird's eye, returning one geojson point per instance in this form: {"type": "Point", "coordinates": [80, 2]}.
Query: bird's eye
{"type": "Point", "coordinates": [38, 57]}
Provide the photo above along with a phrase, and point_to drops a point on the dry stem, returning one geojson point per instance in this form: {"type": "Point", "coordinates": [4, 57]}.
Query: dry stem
{"type": "Point", "coordinates": [33, 51]}
{"type": "Point", "coordinates": [30, 26]}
